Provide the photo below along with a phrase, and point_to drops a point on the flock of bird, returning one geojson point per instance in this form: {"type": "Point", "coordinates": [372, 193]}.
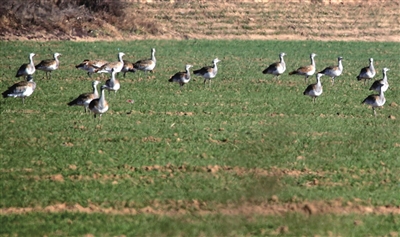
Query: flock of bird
{"type": "Point", "coordinates": [96, 102]}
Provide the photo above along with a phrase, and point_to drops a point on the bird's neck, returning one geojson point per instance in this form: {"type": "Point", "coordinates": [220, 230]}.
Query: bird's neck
{"type": "Point", "coordinates": [312, 61]}
{"type": "Point", "coordinates": [153, 57]}
{"type": "Point", "coordinates": [340, 66]}
{"type": "Point", "coordinates": [384, 77]}
{"type": "Point", "coordinates": [31, 61]}
{"type": "Point", "coordinates": [102, 98]}
{"type": "Point", "coordinates": [95, 92]}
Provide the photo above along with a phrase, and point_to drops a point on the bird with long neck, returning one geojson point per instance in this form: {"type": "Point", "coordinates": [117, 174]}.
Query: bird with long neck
{"type": "Point", "coordinates": [182, 77]}
{"type": "Point", "coordinates": [112, 84]}
{"type": "Point", "coordinates": [27, 69]}
{"type": "Point", "coordinates": [49, 65]}
{"type": "Point", "coordinates": [117, 66]}
{"type": "Point", "coordinates": [99, 106]}
{"type": "Point", "coordinates": [314, 90]}
{"type": "Point", "coordinates": [277, 68]}
{"type": "Point", "coordinates": [146, 65]}
{"type": "Point", "coordinates": [306, 71]}
{"type": "Point", "coordinates": [208, 72]}
{"type": "Point", "coordinates": [367, 73]}
{"type": "Point", "coordinates": [381, 84]}
{"type": "Point", "coordinates": [377, 100]}
{"type": "Point", "coordinates": [21, 89]}
{"type": "Point", "coordinates": [334, 71]}
{"type": "Point", "coordinates": [85, 99]}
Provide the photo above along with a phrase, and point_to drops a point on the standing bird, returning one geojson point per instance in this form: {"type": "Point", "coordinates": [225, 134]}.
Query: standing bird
{"type": "Point", "coordinates": [182, 77]}
{"type": "Point", "coordinates": [21, 89]}
{"type": "Point", "coordinates": [49, 65]}
{"type": "Point", "coordinates": [117, 66]}
{"type": "Point", "coordinates": [367, 73]}
{"type": "Point", "coordinates": [376, 100]}
{"type": "Point", "coordinates": [85, 99]}
{"type": "Point", "coordinates": [90, 66]}
{"type": "Point", "coordinates": [381, 84]}
{"type": "Point", "coordinates": [27, 69]}
{"type": "Point", "coordinates": [112, 84]}
{"type": "Point", "coordinates": [306, 71]}
{"type": "Point", "coordinates": [128, 67]}
{"type": "Point", "coordinates": [277, 68]}
{"type": "Point", "coordinates": [100, 105]}
{"type": "Point", "coordinates": [147, 64]}
{"type": "Point", "coordinates": [314, 90]}
{"type": "Point", "coordinates": [334, 71]}
{"type": "Point", "coordinates": [208, 72]}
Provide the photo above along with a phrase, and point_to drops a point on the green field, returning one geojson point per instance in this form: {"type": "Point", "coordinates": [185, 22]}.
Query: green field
{"type": "Point", "coordinates": [174, 162]}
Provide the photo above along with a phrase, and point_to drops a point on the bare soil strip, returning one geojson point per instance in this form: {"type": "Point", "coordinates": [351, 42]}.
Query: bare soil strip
{"type": "Point", "coordinates": [194, 207]}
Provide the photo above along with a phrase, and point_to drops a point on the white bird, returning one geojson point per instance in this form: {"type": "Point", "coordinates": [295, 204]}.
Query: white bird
{"type": "Point", "coordinates": [375, 101]}
{"type": "Point", "coordinates": [306, 71]}
{"type": "Point", "coordinates": [367, 73]}
{"type": "Point", "coordinates": [314, 90]}
{"type": "Point", "coordinates": [117, 66]}
{"type": "Point", "coordinates": [381, 84]}
{"type": "Point", "coordinates": [182, 77]}
{"type": "Point", "coordinates": [277, 68]}
{"type": "Point", "coordinates": [21, 89]}
{"type": "Point", "coordinates": [112, 84]}
{"type": "Point", "coordinates": [49, 65]}
{"type": "Point", "coordinates": [334, 71]}
{"type": "Point", "coordinates": [208, 72]}
{"type": "Point", "coordinates": [146, 65]}
{"type": "Point", "coordinates": [85, 99]}
{"type": "Point", "coordinates": [99, 106]}
{"type": "Point", "coordinates": [91, 66]}
{"type": "Point", "coordinates": [27, 69]}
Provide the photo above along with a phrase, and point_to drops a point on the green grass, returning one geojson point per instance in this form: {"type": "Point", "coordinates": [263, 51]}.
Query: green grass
{"type": "Point", "coordinates": [246, 120]}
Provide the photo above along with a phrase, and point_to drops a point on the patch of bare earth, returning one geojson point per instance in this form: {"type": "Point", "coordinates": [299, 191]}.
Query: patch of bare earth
{"type": "Point", "coordinates": [325, 20]}
{"type": "Point", "coordinates": [182, 207]}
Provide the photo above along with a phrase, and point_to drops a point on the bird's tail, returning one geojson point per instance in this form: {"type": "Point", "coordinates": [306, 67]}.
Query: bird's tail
{"type": "Point", "coordinates": [74, 102]}
{"type": "Point", "coordinates": [5, 94]}
{"type": "Point", "coordinates": [293, 72]}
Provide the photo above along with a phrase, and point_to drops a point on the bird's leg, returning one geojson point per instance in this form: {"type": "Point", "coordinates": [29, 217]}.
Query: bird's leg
{"type": "Point", "coordinates": [333, 80]}
{"type": "Point", "coordinates": [373, 108]}
{"type": "Point", "coordinates": [305, 79]}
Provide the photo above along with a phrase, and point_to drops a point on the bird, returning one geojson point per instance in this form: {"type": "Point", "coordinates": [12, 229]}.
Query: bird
{"type": "Point", "coordinates": [21, 89]}
{"type": "Point", "coordinates": [99, 106]}
{"type": "Point", "coordinates": [334, 71]}
{"type": "Point", "coordinates": [117, 66]}
{"type": "Point", "coordinates": [208, 72]}
{"type": "Point", "coordinates": [381, 84]}
{"type": "Point", "coordinates": [182, 77]}
{"type": "Point", "coordinates": [90, 66]}
{"type": "Point", "coordinates": [27, 69]}
{"type": "Point", "coordinates": [376, 100]}
{"type": "Point", "coordinates": [85, 99]}
{"type": "Point", "coordinates": [277, 68]}
{"type": "Point", "coordinates": [314, 90]}
{"type": "Point", "coordinates": [146, 65]}
{"type": "Point", "coordinates": [49, 65]}
{"type": "Point", "coordinates": [112, 84]}
{"type": "Point", "coordinates": [128, 67]}
{"type": "Point", "coordinates": [306, 71]}
{"type": "Point", "coordinates": [367, 73]}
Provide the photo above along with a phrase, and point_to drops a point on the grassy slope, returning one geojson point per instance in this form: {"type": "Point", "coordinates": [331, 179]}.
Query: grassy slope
{"type": "Point", "coordinates": [246, 119]}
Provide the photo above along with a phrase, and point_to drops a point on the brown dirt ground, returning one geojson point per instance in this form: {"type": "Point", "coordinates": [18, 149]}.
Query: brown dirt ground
{"type": "Point", "coordinates": [273, 206]}
{"type": "Point", "coordinates": [325, 20]}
